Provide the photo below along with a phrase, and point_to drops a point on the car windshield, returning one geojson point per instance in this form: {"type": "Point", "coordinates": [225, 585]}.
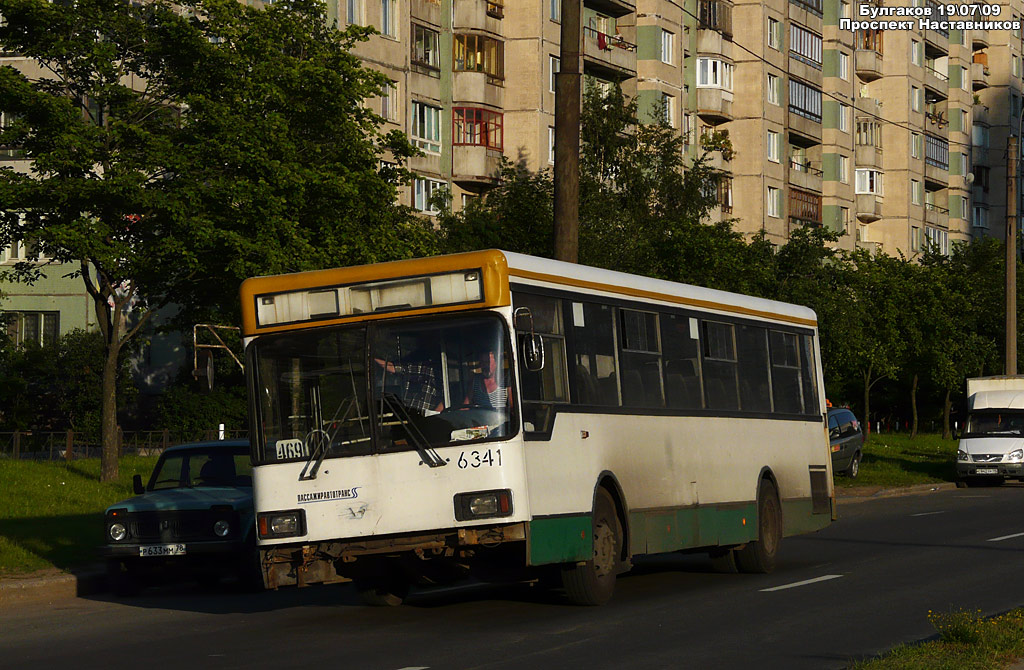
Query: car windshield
{"type": "Point", "coordinates": [358, 390]}
{"type": "Point", "coordinates": [209, 467]}
{"type": "Point", "coordinates": [1001, 423]}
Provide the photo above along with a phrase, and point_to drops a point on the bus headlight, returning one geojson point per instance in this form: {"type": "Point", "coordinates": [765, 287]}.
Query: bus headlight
{"type": "Point", "coordinates": [290, 523]}
{"type": "Point", "coordinates": [1015, 455]}
{"type": "Point", "coordinates": [483, 505]}
{"type": "Point", "coordinates": [962, 455]}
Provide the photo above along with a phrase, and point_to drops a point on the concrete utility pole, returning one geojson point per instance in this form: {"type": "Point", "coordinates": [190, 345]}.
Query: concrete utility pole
{"type": "Point", "coordinates": [1011, 255]}
{"type": "Point", "coordinates": [567, 135]}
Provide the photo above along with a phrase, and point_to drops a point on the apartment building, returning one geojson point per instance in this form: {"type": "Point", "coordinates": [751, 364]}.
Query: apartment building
{"type": "Point", "coordinates": [894, 139]}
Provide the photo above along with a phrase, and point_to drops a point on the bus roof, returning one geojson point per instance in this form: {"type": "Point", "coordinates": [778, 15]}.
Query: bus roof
{"type": "Point", "coordinates": [497, 270]}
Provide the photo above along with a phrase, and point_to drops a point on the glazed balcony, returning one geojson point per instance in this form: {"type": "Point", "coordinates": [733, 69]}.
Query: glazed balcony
{"type": "Point", "coordinates": [804, 208]}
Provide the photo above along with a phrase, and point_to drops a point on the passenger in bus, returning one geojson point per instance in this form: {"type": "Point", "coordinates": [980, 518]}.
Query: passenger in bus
{"type": "Point", "coordinates": [417, 381]}
{"type": "Point", "coordinates": [489, 388]}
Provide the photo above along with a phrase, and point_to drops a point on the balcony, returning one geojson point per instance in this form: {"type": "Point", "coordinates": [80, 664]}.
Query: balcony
{"type": "Point", "coordinates": [979, 75]}
{"type": "Point", "coordinates": [477, 87]}
{"type": "Point", "coordinates": [935, 215]}
{"type": "Point", "coordinates": [867, 155]}
{"type": "Point", "coordinates": [979, 39]}
{"type": "Point", "coordinates": [936, 81]}
{"type": "Point", "coordinates": [803, 174]}
{"type": "Point", "coordinates": [869, 207]}
{"type": "Point", "coordinates": [475, 163]}
{"type": "Point", "coordinates": [614, 8]}
{"type": "Point", "coordinates": [868, 64]}
{"type": "Point", "coordinates": [804, 208]}
{"type": "Point", "coordinates": [714, 104]}
{"type": "Point", "coordinates": [812, 6]}
{"type": "Point", "coordinates": [608, 57]}
{"type": "Point", "coordinates": [715, 17]}
{"type": "Point", "coordinates": [479, 15]}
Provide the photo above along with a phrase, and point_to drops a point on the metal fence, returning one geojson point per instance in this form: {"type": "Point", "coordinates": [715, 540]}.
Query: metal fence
{"type": "Point", "coordinates": [68, 444]}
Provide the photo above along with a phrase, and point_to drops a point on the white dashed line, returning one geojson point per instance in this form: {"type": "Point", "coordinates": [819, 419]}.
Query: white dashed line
{"type": "Point", "coordinates": [824, 578]}
{"type": "Point", "coordinates": [1006, 537]}
{"type": "Point", "coordinates": [928, 513]}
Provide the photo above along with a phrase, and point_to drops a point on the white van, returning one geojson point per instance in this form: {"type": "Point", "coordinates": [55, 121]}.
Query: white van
{"type": "Point", "coordinates": [991, 447]}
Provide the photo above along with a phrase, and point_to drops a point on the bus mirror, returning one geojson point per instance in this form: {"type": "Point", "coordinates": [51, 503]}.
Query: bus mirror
{"type": "Point", "coordinates": [533, 353]}
{"type": "Point", "coordinates": [204, 368]}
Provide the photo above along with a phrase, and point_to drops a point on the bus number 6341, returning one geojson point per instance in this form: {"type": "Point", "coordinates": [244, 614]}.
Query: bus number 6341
{"type": "Point", "coordinates": [476, 459]}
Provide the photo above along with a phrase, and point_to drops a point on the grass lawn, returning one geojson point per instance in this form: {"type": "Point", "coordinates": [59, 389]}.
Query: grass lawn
{"type": "Point", "coordinates": [893, 459]}
{"type": "Point", "coordinates": [51, 513]}
{"type": "Point", "coordinates": [966, 641]}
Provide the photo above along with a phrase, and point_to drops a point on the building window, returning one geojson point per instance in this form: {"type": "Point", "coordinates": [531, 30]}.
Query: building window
{"type": "Point", "coordinates": [774, 203]}
{"type": "Point", "coordinates": [773, 146]}
{"type": "Point", "coordinates": [916, 98]}
{"type": "Point", "coordinates": [724, 195]}
{"type": "Point", "coordinates": [41, 328]}
{"type": "Point", "coordinates": [20, 251]}
{"type": "Point", "coordinates": [425, 49]}
{"type": "Point", "coordinates": [551, 145]}
{"type": "Point", "coordinates": [479, 127]}
{"type": "Point", "coordinates": [354, 11]}
{"type": "Point", "coordinates": [426, 127]}
{"type": "Point", "coordinates": [477, 53]}
{"type": "Point", "coordinates": [715, 15]}
{"type": "Point", "coordinates": [805, 45]}
{"type": "Point", "coordinates": [773, 89]}
{"type": "Point", "coordinates": [804, 100]}
{"type": "Point", "coordinates": [980, 136]}
{"type": "Point", "coordinates": [668, 109]}
{"type": "Point", "coordinates": [1015, 65]}
{"type": "Point", "coordinates": [938, 240]}
{"type": "Point", "coordinates": [844, 118]}
{"type": "Point", "coordinates": [714, 73]}
{"type": "Point", "coordinates": [844, 9]}
{"type": "Point", "coordinates": [388, 18]}
{"type": "Point", "coordinates": [422, 191]}
{"type": "Point", "coordinates": [869, 40]}
{"type": "Point", "coordinates": [554, 63]}
{"type": "Point", "coordinates": [389, 102]}
{"type": "Point", "coordinates": [556, 10]}
{"type": "Point", "coordinates": [844, 66]}
{"type": "Point", "coordinates": [869, 181]}
{"type": "Point", "coordinates": [915, 238]}
{"type": "Point", "coordinates": [774, 34]}
{"type": "Point", "coordinates": [916, 191]}
{"type": "Point", "coordinates": [980, 218]}
{"type": "Point", "coordinates": [667, 46]}
{"type": "Point", "coordinates": [965, 78]}
{"type": "Point", "coordinates": [844, 169]}
{"type": "Point", "coordinates": [916, 52]}
{"type": "Point", "coordinates": [916, 145]}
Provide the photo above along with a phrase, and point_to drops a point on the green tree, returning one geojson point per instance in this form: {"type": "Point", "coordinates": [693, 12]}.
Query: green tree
{"type": "Point", "coordinates": [179, 148]}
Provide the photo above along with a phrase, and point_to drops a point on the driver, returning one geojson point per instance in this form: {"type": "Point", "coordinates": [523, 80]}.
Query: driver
{"type": "Point", "coordinates": [489, 387]}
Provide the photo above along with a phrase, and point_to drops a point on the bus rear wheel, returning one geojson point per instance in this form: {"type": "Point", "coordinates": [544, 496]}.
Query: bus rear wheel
{"type": "Point", "coordinates": [759, 556]}
{"type": "Point", "coordinates": [593, 582]}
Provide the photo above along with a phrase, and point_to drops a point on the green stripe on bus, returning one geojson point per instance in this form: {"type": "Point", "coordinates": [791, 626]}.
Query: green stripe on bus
{"type": "Point", "coordinates": [797, 518]}
{"type": "Point", "coordinates": [563, 539]}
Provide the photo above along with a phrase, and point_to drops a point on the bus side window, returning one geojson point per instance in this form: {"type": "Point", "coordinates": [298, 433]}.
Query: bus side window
{"type": "Point", "coordinates": [550, 384]}
{"type": "Point", "coordinates": [640, 359]}
{"type": "Point", "coordinates": [680, 343]}
{"type": "Point", "coordinates": [593, 337]}
{"type": "Point", "coordinates": [786, 387]}
{"type": "Point", "coordinates": [720, 382]}
{"type": "Point", "coordinates": [752, 351]}
{"type": "Point", "coordinates": [808, 376]}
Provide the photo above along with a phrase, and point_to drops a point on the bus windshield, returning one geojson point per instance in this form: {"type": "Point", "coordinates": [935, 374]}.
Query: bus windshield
{"type": "Point", "coordinates": [1001, 423]}
{"type": "Point", "coordinates": [383, 387]}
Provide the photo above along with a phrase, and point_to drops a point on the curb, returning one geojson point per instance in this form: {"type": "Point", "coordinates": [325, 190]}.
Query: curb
{"type": "Point", "coordinates": [57, 586]}
{"type": "Point", "coordinates": [855, 496]}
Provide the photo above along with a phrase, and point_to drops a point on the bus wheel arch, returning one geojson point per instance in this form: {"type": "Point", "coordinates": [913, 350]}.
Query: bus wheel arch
{"type": "Point", "coordinates": [592, 582]}
{"type": "Point", "coordinates": [608, 482]}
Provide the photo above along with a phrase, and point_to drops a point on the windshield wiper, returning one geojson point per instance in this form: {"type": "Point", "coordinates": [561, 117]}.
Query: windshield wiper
{"type": "Point", "coordinates": [412, 431]}
{"type": "Point", "coordinates": [319, 451]}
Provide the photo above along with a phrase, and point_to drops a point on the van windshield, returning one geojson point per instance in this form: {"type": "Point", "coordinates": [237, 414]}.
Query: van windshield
{"type": "Point", "coordinates": [999, 423]}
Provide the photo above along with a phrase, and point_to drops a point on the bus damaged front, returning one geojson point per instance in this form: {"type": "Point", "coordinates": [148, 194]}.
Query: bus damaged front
{"type": "Point", "coordinates": [387, 451]}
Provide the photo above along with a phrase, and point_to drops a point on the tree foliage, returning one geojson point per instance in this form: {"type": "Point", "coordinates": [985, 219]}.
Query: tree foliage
{"type": "Point", "coordinates": [177, 149]}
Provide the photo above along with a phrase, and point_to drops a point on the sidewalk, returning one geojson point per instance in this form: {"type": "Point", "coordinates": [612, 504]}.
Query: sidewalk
{"type": "Point", "coordinates": [864, 493]}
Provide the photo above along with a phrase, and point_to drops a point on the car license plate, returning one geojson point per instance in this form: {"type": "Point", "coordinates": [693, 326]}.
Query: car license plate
{"type": "Point", "coordinates": [987, 471]}
{"type": "Point", "coordinates": [162, 550]}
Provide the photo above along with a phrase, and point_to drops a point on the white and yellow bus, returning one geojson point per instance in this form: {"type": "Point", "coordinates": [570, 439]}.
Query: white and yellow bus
{"type": "Point", "coordinates": [501, 415]}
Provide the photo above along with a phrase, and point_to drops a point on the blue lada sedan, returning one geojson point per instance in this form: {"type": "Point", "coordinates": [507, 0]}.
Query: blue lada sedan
{"type": "Point", "coordinates": [194, 517]}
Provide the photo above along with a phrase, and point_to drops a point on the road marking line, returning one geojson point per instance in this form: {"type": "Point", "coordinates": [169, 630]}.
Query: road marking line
{"type": "Point", "coordinates": [928, 513]}
{"type": "Point", "coordinates": [805, 582]}
{"type": "Point", "coordinates": [1006, 537]}
{"type": "Point", "coordinates": [416, 667]}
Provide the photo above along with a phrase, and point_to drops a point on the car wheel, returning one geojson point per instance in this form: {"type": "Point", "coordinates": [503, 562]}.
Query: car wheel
{"type": "Point", "coordinates": [593, 582]}
{"type": "Point", "coordinates": [854, 468]}
{"type": "Point", "coordinates": [759, 556]}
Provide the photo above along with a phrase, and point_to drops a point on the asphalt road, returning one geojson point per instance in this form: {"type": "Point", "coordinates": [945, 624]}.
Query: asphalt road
{"type": "Point", "coordinates": [851, 591]}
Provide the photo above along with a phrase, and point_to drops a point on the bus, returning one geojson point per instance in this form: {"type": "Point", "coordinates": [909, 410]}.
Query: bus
{"type": "Point", "coordinates": [501, 416]}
